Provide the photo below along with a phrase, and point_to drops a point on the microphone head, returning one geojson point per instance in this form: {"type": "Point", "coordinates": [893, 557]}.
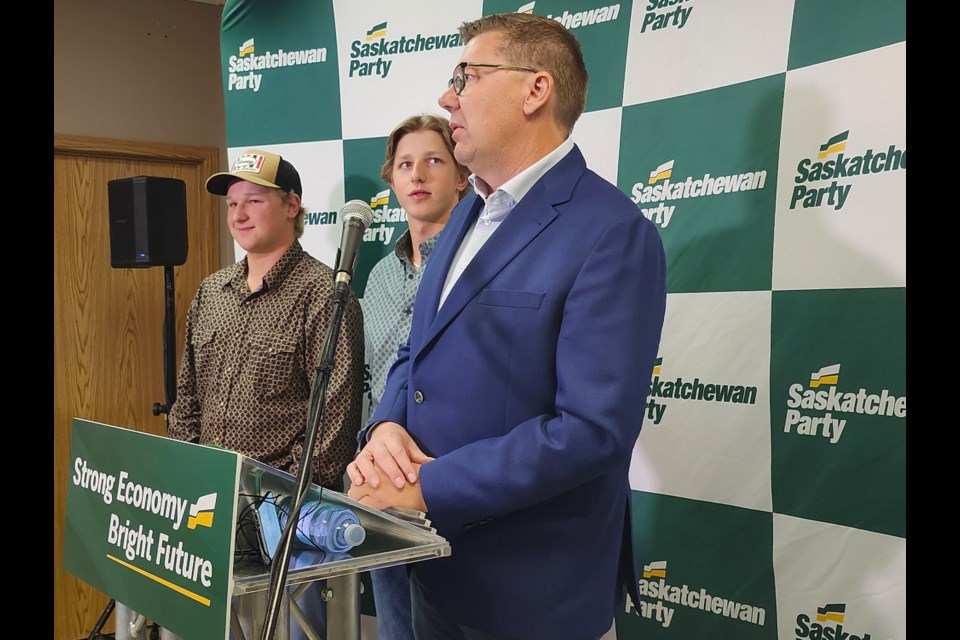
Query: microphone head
{"type": "Point", "coordinates": [357, 210]}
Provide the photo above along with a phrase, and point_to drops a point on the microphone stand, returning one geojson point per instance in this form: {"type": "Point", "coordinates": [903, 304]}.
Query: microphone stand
{"type": "Point", "coordinates": [280, 565]}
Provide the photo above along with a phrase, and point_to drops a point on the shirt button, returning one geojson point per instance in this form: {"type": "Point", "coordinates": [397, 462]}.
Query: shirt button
{"type": "Point", "coordinates": [408, 311]}
{"type": "Point", "coordinates": [418, 397]}
{"type": "Point", "coordinates": [410, 277]}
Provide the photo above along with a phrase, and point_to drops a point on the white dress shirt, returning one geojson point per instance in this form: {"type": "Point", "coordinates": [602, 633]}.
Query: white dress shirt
{"type": "Point", "coordinates": [496, 207]}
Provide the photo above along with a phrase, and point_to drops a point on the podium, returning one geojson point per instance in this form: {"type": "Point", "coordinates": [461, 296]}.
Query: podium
{"type": "Point", "coordinates": [393, 537]}
{"type": "Point", "coordinates": [168, 528]}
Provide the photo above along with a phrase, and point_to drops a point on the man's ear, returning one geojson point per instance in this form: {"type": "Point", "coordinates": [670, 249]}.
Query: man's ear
{"type": "Point", "coordinates": [539, 90]}
{"type": "Point", "coordinates": [293, 206]}
{"type": "Point", "coordinates": [462, 181]}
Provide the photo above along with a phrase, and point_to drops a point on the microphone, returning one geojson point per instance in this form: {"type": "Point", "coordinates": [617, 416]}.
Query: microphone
{"type": "Point", "coordinates": [356, 216]}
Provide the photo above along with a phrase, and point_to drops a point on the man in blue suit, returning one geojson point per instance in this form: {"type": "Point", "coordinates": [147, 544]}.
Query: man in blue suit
{"type": "Point", "coordinates": [511, 414]}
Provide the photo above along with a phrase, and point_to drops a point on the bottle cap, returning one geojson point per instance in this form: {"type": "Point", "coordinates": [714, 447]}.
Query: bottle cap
{"type": "Point", "coordinates": [354, 534]}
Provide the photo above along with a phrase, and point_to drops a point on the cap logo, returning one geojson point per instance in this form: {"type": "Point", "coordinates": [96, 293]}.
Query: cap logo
{"type": "Point", "coordinates": [249, 162]}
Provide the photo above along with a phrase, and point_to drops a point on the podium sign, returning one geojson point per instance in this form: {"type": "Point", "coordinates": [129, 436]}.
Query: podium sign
{"type": "Point", "coordinates": [151, 522]}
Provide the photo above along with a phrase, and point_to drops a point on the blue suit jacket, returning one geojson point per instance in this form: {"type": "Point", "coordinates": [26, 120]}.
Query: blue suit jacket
{"type": "Point", "coordinates": [529, 386]}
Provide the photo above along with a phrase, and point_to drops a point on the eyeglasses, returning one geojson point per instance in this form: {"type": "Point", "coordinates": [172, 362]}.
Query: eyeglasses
{"type": "Point", "coordinates": [459, 79]}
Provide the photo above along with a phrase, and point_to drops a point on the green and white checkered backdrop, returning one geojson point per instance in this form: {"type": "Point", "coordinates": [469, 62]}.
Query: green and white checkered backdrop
{"type": "Point", "coordinates": [767, 141]}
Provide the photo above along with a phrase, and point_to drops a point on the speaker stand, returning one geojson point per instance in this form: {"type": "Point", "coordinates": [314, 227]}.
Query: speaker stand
{"type": "Point", "coordinates": [169, 345]}
{"type": "Point", "coordinates": [170, 387]}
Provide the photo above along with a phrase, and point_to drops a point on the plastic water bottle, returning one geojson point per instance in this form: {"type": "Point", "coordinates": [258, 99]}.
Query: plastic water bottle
{"type": "Point", "coordinates": [325, 525]}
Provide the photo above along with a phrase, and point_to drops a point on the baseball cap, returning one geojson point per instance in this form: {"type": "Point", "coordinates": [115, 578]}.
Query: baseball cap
{"type": "Point", "coordinates": [259, 167]}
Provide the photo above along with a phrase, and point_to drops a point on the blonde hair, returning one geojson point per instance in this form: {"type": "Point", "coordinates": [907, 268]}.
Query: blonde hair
{"type": "Point", "coordinates": [422, 122]}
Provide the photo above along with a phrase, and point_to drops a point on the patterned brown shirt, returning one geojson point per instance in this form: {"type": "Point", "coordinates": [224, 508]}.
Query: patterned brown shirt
{"type": "Point", "coordinates": [249, 362]}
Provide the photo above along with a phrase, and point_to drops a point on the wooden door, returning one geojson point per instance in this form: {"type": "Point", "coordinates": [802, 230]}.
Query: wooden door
{"type": "Point", "coordinates": [108, 323]}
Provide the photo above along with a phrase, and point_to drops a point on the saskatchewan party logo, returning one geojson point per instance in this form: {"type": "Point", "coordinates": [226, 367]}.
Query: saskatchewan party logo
{"type": "Point", "coordinates": [826, 625]}
{"type": "Point", "coordinates": [201, 512]}
{"type": "Point", "coordinates": [661, 599]}
{"type": "Point", "coordinates": [658, 192]}
{"type": "Point", "coordinates": [695, 389]}
{"type": "Point", "coordinates": [255, 66]}
{"type": "Point", "coordinates": [381, 199]}
{"type": "Point", "coordinates": [666, 14]}
{"type": "Point", "coordinates": [577, 19]}
{"type": "Point", "coordinates": [319, 218]}
{"type": "Point", "coordinates": [385, 219]}
{"type": "Point", "coordinates": [833, 163]}
{"type": "Point", "coordinates": [821, 395]}
{"type": "Point", "coordinates": [372, 54]}
{"type": "Point", "coordinates": [382, 213]}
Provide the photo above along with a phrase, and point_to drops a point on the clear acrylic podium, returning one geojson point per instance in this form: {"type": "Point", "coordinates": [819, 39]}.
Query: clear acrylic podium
{"type": "Point", "coordinates": [393, 537]}
{"type": "Point", "coordinates": [171, 532]}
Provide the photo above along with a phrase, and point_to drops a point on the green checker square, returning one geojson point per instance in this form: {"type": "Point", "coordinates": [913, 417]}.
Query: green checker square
{"type": "Point", "coordinates": [829, 29]}
{"type": "Point", "coordinates": [286, 85]}
{"type": "Point", "coordinates": [703, 168]}
{"type": "Point", "coordinates": [838, 407]}
{"type": "Point", "coordinates": [362, 159]}
{"type": "Point", "coordinates": [710, 564]}
{"type": "Point", "coordinates": [603, 30]}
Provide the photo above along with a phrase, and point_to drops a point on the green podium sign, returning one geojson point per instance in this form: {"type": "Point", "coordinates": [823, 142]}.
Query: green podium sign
{"type": "Point", "coordinates": [150, 522]}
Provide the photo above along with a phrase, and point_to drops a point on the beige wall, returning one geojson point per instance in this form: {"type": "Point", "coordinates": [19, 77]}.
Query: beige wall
{"type": "Point", "coordinates": [144, 70]}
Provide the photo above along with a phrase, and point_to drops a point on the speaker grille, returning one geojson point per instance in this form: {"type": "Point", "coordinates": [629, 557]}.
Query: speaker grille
{"type": "Point", "coordinates": [148, 222]}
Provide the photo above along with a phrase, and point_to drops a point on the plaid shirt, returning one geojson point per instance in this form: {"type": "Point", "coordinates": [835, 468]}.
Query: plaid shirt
{"type": "Point", "coordinates": [388, 308]}
{"type": "Point", "coordinates": [249, 363]}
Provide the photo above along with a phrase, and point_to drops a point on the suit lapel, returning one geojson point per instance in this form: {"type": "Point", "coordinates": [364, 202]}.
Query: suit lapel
{"type": "Point", "coordinates": [431, 286]}
{"type": "Point", "coordinates": [535, 211]}
{"type": "Point", "coordinates": [525, 222]}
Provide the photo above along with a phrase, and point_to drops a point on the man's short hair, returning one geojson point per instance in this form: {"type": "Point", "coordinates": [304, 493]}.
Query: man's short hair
{"type": "Point", "coordinates": [546, 45]}
{"type": "Point", "coordinates": [422, 122]}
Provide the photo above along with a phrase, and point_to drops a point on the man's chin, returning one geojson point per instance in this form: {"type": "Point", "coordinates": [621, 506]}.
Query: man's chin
{"type": "Point", "coordinates": [463, 154]}
{"type": "Point", "coordinates": [248, 246]}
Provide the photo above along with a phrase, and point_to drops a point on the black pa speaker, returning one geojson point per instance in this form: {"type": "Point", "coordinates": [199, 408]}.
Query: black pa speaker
{"type": "Point", "coordinates": [148, 222]}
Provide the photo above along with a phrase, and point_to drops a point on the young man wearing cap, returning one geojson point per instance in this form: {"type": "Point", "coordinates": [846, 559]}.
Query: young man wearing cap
{"type": "Point", "coordinates": [255, 332]}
